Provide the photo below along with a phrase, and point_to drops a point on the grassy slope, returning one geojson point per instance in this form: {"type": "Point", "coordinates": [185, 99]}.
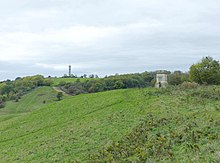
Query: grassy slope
{"type": "Point", "coordinates": [184, 126]}
{"type": "Point", "coordinates": [71, 128]}
{"type": "Point", "coordinates": [76, 127]}
{"type": "Point", "coordinates": [29, 102]}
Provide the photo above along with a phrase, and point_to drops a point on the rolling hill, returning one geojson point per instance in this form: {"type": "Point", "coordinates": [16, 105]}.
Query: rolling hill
{"type": "Point", "coordinates": [31, 101]}
{"type": "Point", "coordinates": [35, 99]}
{"type": "Point", "coordinates": [121, 125]}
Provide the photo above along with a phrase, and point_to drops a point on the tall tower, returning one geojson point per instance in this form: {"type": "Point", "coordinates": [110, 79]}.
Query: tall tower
{"type": "Point", "coordinates": [69, 70]}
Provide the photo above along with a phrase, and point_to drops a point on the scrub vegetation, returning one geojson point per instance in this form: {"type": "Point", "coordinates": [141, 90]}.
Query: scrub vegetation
{"type": "Point", "coordinates": [122, 125]}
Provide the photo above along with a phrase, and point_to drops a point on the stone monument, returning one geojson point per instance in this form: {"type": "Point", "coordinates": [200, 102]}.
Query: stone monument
{"type": "Point", "coordinates": [161, 79]}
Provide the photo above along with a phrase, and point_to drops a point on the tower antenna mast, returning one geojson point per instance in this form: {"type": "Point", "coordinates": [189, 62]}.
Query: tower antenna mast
{"type": "Point", "coordinates": [69, 70]}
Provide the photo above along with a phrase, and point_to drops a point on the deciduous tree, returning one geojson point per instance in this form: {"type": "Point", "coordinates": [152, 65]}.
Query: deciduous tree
{"type": "Point", "coordinates": [207, 71]}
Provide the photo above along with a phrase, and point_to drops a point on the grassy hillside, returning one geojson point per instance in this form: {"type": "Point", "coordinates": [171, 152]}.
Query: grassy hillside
{"type": "Point", "coordinates": [37, 98]}
{"type": "Point", "coordinates": [32, 101]}
{"type": "Point", "coordinates": [125, 125]}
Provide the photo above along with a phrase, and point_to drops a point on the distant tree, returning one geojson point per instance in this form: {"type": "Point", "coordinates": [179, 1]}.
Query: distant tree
{"type": "Point", "coordinates": [206, 72]}
{"type": "Point", "coordinates": [73, 76]}
{"type": "Point", "coordinates": [6, 87]}
{"type": "Point", "coordinates": [96, 76]}
{"type": "Point", "coordinates": [62, 83]}
{"type": "Point", "coordinates": [48, 82]}
{"type": "Point", "coordinates": [18, 78]}
{"type": "Point", "coordinates": [148, 77]}
{"type": "Point", "coordinates": [177, 72]}
{"type": "Point", "coordinates": [119, 85]}
{"type": "Point", "coordinates": [96, 87]}
{"type": "Point", "coordinates": [38, 80]}
{"type": "Point", "coordinates": [109, 84]}
{"type": "Point", "coordinates": [174, 78]}
{"type": "Point", "coordinates": [178, 77]}
{"type": "Point", "coordinates": [59, 95]}
{"type": "Point", "coordinates": [84, 76]}
{"type": "Point", "coordinates": [65, 76]}
{"type": "Point", "coordinates": [75, 89]}
{"type": "Point", "coordinates": [91, 76]}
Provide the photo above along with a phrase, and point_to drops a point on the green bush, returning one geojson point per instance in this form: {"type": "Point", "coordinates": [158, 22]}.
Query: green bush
{"type": "Point", "coordinates": [208, 93]}
{"type": "Point", "coordinates": [119, 85]}
{"type": "Point", "coordinates": [2, 103]}
{"type": "Point", "coordinates": [189, 85]}
{"type": "Point", "coordinates": [177, 78]}
{"type": "Point", "coordinates": [59, 95]}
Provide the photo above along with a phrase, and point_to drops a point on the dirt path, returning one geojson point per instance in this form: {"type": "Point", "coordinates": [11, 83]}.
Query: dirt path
{"type": "Point", "coordinates": [59, 90]}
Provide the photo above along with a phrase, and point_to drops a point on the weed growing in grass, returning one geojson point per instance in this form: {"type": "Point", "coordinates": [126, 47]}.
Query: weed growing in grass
{"type": "Point", "coordinates": [133, 125]}
{"type": "Point", "coordinates": [172, 135]}
{"type": "Point", "coordinates": [155, 139]}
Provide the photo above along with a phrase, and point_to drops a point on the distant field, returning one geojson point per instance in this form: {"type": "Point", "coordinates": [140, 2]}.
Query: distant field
{"type": "Point", "coordinates": [31, 101]}
{"type": "Point", "coordinates": [56, 81]}
{"type": "Point", "coordinates": [122, 125]}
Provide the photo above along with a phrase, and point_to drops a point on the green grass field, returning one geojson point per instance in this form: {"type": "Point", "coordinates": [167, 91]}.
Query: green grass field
{"type": "Point", "coordinates": [119, 126]}
{"type": "Point", "coordinates": [31, 101]}
{"type": "Point", "coordinates": [37, 98]}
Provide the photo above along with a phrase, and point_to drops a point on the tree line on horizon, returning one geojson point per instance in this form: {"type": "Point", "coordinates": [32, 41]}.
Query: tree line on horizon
{"type": "Point", "coordinates": [206, 72]}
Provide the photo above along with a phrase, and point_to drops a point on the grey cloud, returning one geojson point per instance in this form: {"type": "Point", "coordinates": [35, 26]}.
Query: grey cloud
{"type": "Point", "coordinates": [134, 36]}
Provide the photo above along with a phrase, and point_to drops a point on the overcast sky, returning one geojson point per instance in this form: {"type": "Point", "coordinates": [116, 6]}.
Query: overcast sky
{"type": "Point", "coordinates": [105, 36]}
